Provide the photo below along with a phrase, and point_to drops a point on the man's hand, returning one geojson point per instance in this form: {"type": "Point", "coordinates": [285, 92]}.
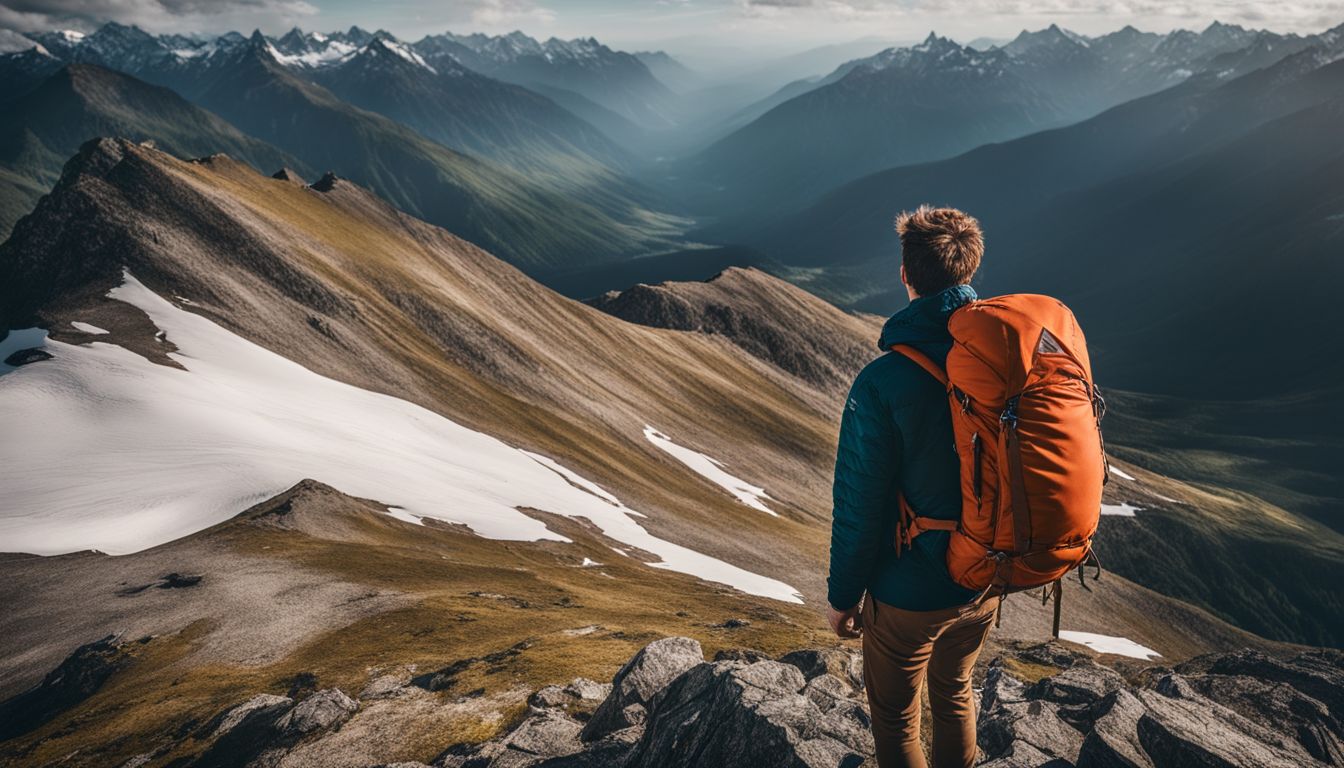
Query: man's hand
{"type": "Point", "coordinates": [847, 624]}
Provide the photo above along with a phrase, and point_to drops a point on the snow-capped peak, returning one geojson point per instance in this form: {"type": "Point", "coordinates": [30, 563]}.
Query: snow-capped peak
{"type": "Point", "coordinates": [1050, 38]}
{"type": "Point", "coordinates": [388, 45]}
{"type": "Point", "coordinates": [935, 53]}
{"type": "Point", "coordinates": [310, 51]}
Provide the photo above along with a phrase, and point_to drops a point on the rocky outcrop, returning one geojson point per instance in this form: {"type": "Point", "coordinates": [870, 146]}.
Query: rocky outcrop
{"type": "Point", "coordinates": [545, 733]}
{"type": "Point", "coordinates": [321, 711]}
{"type": "Point", "coordinates": [77, 678]}
{"type": "Point", "coordinates": [647, 673]}
{"type": "Point", "coordinates": [1016, 728]}
{"type": "Point", "coordinates": [669, 707]}
{"type": "Point", "coordinates": [579, 691]}
{"type": "Point", "coordinates": [735, 713]}
{"type": "Point", "coordinates": [245, 731]}
{"type": "Point", "coordinates": [1232, 710]}
{"type": "Point", "coordinates": [263, 728]}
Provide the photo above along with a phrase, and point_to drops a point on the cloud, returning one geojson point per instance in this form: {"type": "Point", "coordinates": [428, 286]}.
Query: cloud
{"type": "Point", "coordinates": [495, 13]}
{"type": "Point", "coordinates": [154, 15]}
{"type": "Point", "coordinates": [1299, 14]}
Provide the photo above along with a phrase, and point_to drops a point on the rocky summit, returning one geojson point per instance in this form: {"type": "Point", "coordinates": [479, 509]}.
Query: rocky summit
{"type": "Point", "coordinates": [670, 707]}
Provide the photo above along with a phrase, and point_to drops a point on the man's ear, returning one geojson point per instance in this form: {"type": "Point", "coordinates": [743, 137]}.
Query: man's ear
{"type": "Point", "coordinates": [903, 280]}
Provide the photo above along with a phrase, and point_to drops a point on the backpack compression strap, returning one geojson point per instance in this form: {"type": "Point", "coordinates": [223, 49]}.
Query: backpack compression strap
{"type": "Point", "coordinates": [910, 524]}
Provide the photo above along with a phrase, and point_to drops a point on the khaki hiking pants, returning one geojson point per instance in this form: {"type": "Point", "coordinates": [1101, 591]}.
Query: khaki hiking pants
{"type": "Point", "coordinates": [902, 648]}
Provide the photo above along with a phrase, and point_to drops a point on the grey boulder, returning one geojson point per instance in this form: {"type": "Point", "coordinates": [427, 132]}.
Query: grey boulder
{"type": "Point", "coordinates": [320, 711]}
{"type": "Point", "coordinates": [545, 733]}
{"type": "Point", "coordinates": [647, 672]}
{"type": "Point", "coordinates": [733, 713]}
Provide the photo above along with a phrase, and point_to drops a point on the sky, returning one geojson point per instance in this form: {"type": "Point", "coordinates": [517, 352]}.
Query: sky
{"type": "Point", "coordinates": [691, 26]}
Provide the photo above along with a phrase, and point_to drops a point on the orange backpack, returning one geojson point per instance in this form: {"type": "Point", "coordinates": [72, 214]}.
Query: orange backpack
{"type": "Point", "coordinates": [1027, 422]}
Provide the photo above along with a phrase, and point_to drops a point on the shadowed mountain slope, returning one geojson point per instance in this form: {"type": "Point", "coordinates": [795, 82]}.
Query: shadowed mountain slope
{"type": "Point", "coordinates": [462, 109]}
{"type": "Point", "coordinates": [933, 100]}
{"type": "Point", "coordinates": [529, 222]}
{"type": "Point", "coordinates": [938, 99]}
{"type": "Point", "coordinates": [1156, 221]}
{"type": "Point", "coordinates": [525, 222]}
{"type": "Point", "coordinates": [40, 130]}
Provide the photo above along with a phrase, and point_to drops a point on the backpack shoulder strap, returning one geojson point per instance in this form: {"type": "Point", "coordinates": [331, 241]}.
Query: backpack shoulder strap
{"type": "Point", "coordinates": [924, 361]}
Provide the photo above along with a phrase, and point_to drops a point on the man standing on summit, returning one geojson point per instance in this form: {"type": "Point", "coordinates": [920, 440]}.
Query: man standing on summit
{"type": "Point", "coordinates": [896, 439]}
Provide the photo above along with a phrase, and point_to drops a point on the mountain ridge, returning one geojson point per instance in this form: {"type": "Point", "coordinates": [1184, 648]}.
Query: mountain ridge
{"type": "Point", "coordinates": [815, 134]}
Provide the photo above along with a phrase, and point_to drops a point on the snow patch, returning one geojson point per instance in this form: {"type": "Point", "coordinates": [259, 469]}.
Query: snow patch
{"type": "Point", "coordinates": [195, 53]}
{"type": "Point", "coordinates": [1122, 474]}
{"type": "Point", "coordinates": [407, 54]}
{"type": "Point", "coordinates": [88, 328]}
{"type": "Point", "coordinates": [573, 477]}
{"type": "Point", "coordinates": [712, 470]}
{"type": "Point", "coordinates": [106, 450]}
{"type": "Point", "coordinates": [588, 562]}
{"type": "Point", "coordinates": [1119, 646]}
{"type": "Point", "coordinates": [1123, 509]}
{"type": "Point", "coordinates": [334, 51]}
{"type": "Point", "coordinates": [404, 516]}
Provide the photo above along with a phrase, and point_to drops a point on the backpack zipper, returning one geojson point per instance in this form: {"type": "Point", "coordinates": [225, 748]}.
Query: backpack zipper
{"type": "Point", "coordinates": [976, 450]}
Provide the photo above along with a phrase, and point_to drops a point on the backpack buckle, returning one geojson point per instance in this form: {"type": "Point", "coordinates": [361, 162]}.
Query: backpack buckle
{"type": "Point", "coordinates": [1009, 415]}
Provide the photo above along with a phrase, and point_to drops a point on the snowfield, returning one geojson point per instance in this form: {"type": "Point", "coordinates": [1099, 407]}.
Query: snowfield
{"type": "Point", "coordinates": [711, 470]}
{"type": "Point", "coordinates": [106, 450]}
{"type": "Point", "coordinates": [1120, 646]}
{"type": "Point", "coordinates": [1122, 474]}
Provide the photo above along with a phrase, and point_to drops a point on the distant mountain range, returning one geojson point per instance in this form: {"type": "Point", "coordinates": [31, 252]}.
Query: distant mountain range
{"type": "Point", "coordinates": [495, 162]}
{"type": "Point", "coordinates": [1192, 230]}
{"type": "Point", "coordinates": [1179, 184]}
{"type": "Point", "coordinates": [614, 80]}
{"type": "Point", "coordinates": [938, 99]}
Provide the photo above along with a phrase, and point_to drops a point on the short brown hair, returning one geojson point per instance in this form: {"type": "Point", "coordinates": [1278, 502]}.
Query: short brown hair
{"type": "Point", "coordinates": [940, 248]}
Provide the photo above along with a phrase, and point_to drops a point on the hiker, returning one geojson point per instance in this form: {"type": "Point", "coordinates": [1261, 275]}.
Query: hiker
{"type": "Point", "coordinates": [917, 479]}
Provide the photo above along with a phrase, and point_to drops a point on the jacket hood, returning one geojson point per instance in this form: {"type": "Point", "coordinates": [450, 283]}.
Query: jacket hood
{"type": "Point", "coordinates": [924, 320]}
